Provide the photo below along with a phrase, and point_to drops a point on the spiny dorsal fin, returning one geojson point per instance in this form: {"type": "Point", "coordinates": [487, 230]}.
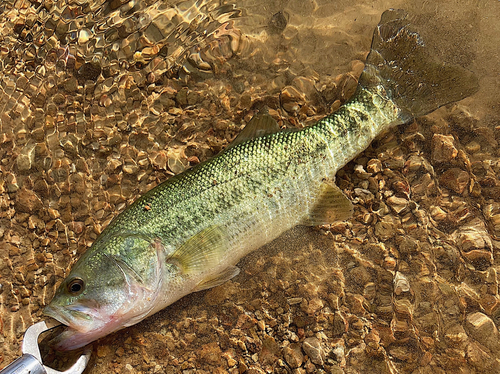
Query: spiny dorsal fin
{"type": "Point", "coordinates": [218, 279]}
{"type": "Point", "coordinates": [261, 124]}
{"type": "Point", "coordinates": [330, 206]}
{"type": "Point", "coordinates": [201, 252]}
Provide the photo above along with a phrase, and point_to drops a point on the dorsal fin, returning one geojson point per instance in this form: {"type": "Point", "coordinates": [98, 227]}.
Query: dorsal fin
{"type": "Point", "coordinates": [261, 124]}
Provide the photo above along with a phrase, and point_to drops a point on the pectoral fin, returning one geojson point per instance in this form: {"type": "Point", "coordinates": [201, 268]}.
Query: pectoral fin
{"type": "Point", "coordinates": [331, 206]}
{"type": "Point", "coordinates": [218, 279]}
{"type": "Point", "coordinates": [201, 252]}
{"type": "Point", "coordinates": [261, 124]}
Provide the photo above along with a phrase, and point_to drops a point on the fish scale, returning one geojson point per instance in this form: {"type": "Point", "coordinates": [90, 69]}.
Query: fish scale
{"type": "Point", "coordinates": [188, 233]}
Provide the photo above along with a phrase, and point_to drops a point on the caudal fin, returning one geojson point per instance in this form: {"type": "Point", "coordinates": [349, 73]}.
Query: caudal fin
{"type": "Point", "coordinates": [400, 62]}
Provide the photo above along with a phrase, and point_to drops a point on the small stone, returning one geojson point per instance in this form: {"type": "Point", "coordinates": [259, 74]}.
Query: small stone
{"type": "Point", "coordinates": [360, 275]}
{"type": "Point", "coordinates": [374, 166]}
{"type": "Point", "coordinates": [103, 351]}
{"type": "Point", "coordinates": [479, 358]}
{"type": "Point", "coordinates": [401, 283]}
{"type": "Point", "coordinates": [398, 204]}
{"type": "Point", "coordinates": [483, 330]}
{"type": "Point", "coordinates": [455, 179]}
{"type": "Point", "coordinates": [443, 149]}
{"type": "Point", "coordinates": [177, 162]}
{"type": "Point", "coordinates": [313, 306]}
{"type": "Point", "coordinates": [294, 300]}
{"type": "Point", "coordinates": [211, 353]}
{"type": "Point", "coordinates": [26, 158]}
{"type": "Point", "coordinates": [305, 85]}
{"type": "Point", "coordinates": [312, 347]}
{"type": "Point", "coordinates": [473, 147]}
{"type": "Point", "coordinates": [54, 214]}
{"type": "Point", "coordinates": [390, 263]}
{"type": "Point", "coordinates": [473, 236]}
{"type": "Point", "coordinates": [456, 336]}
{"type": "Point", "coordinates": [437, 213]}
{"type": "Point", "coordinates": [27, 201]}
{"type": "Point", "coordinates": [293, 355]}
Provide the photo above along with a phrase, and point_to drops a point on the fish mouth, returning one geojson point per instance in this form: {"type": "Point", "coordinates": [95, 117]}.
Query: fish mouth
{"type": "Point", "coordinates": [79, 328]}
{"type": "Point", "coordinates": [68, 316]}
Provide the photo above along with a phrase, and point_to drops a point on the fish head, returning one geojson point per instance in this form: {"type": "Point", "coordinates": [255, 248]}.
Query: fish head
{"type": "Point", "coordinates": [110, 287]}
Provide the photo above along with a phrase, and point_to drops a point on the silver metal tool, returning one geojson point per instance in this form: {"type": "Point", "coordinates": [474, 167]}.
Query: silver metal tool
{"type": "Point", "coordinates": [31, 360]}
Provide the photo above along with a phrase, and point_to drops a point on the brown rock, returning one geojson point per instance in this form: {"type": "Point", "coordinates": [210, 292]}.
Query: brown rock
{"type": "Point", "coordinates": [455, 179]}
{"type": "Point", "coordinates": [473, 236]}
{"type": "Point", "coordinates": [443, 149]}
{"type": "Point", "coordinates": [312, 347]}
{"type": "Point", "coordinates": [483, 330]}
{"type": "Point", "coordinates": [293, 355]}
{"type": "Point", "coordinates": [211, 354]}
{"type": "Point", "coordinates": [480, 359]}
{"type": "Point", "coordinates": [27, 201]}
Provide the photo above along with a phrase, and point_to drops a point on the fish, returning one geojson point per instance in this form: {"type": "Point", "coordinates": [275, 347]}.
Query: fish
{"type": "Point", "coordinates": [188, 233]}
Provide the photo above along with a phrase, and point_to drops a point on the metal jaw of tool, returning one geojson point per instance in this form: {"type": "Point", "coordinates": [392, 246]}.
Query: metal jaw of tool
{"type": "Point", "coordinates": [31, 360]}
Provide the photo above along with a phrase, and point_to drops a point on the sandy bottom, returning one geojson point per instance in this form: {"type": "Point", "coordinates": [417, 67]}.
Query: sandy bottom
{"type": "Point", "coordinates": [408, 285]}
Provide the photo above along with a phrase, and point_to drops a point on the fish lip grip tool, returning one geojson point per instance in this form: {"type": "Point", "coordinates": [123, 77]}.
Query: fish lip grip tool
{"type": "Point", "coordinates": [31, 360]}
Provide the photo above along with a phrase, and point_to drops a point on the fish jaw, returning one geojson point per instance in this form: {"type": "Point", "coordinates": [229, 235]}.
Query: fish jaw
{"type": "Point", "coordinates": [84, 325]}
{"type": "Point", "coordinates": [71, 338]}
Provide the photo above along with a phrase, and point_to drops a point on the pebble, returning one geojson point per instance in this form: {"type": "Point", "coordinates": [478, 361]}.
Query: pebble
{"type": "Point", "coordinates": [313, 348]}
{"type": "Point", "coordinates": [293, 355]}
{"type": "Point", "coordinates": [455, 179]}
{"type": "Point", "coordinates": [398, 204]}
{"type": "Point", "coordinates": [443, 148]}
{"type": "Point", "coordinates": [27, 201]}
{"type": "Point", "coordinates": [483, 330]}
{"type": "Point", "coordinates": [401, 283]}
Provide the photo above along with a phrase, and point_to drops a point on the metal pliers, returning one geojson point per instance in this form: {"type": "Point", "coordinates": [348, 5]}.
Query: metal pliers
{"type": "Point", "coordinates": [31, 360]}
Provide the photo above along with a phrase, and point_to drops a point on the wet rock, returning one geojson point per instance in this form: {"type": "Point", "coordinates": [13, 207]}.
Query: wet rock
{"type": "Point", "coordinates": [26, 158]}
{"type": "Point", "coordinates": [177, 161]}
{"type": "Point", "coordinates": [374, 166]}
{"type": "Point", "coordinates": [437, 213]}
{"type": "Point", "coordinates": [455, 179]}
{"type": "Point", "coordinates": [385, 228]}
{"type": "Point", "coordinates": [306, 86]}
{"type": "Point", "coordinates": [211, 354]}
{"type": "Point", "coordinates": [443, 149]}
{"type": "Point", "coordinates": [398, 204]}
{"type": "Point", "coordinates": [473, 236]}
{"type": "Point", "coordinates": [291, 99]}
{"type": "Point", "coordinates": [293, 355]}
{"type": "Point", "coordinates": [360, 275]}
{"type": "Point", "coordinates": [313, 348]}
{"type": "Point", "coordinates": [483, 330]}
{"type": "Point", "coordinates": [401, 283]}
{"type": "Point", "coordinates": [456, 336]}
{"type": "Point", "coordinates": [481, 359]}
{"type": "Point", "coordinates": [278, 22]}
{"type": "Point", "coordinates": [103, 351]}
{"type": "Point", "coordinates": [27, 201]}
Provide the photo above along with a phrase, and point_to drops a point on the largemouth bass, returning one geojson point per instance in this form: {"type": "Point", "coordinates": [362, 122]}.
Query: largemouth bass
{"type": "Point", "coordinates": [188, 233]}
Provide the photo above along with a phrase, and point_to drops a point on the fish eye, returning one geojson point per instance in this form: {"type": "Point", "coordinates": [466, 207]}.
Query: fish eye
{"type": "Point", "coordinates": [75, 286]}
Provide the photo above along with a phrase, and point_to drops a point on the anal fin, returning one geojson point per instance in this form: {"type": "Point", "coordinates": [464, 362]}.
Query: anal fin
{"type": "Point", "coordinates": [331, 205]}
{"type": "Point", "coordinates": [218, 279]}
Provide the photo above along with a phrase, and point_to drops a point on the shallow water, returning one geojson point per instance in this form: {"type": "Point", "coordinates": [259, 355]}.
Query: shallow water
{"type": "Point", "coordinates": [97, 115]}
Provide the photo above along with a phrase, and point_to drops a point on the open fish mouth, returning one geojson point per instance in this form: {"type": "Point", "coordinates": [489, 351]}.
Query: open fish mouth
{"type": "Point", "coordinates": [68, 316]}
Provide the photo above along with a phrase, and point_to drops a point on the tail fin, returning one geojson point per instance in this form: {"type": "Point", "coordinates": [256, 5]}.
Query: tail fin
{"type": "Point", "coordinates": [410, 75]}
